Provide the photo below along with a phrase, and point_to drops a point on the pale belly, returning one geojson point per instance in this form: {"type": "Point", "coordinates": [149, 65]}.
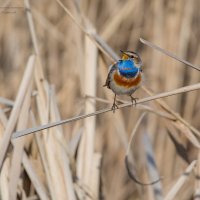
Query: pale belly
{"type": "Point", "coordinates": [121, 90]}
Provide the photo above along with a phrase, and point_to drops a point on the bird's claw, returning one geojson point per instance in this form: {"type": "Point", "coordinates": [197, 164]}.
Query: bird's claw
{"type": "Point", "coordinates": [133, 100]}
{"type": "Point", "coordinates": [114, 106]}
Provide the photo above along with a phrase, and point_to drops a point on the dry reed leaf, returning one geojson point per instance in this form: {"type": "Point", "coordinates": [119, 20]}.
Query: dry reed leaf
{"type": "Point", "coordinates": [64, 161]}
{"type": "Point", "coordinates": [180, 148]}
{"type": "Point", "coordinates": [42, 153]}
{"type": "Point", "coordinates": [16, 108]}
{"type": "Point", "coordinates": [52, 149]}
{"type": "Point", "coordinates": [16, 170]}
{"type": "Point", "coordinates": [75, 141]}
{"type": "Point", "coordinates": [3, 120]}
{"type": "Point", "coordinates": [43, 111]}
{"type": "Point", "coordinates": [134, 132]}
{"type": "Point", "coordinates": [127, 157]}
{"type": "Point", "coordinates": [31, 26]}
{"type": "Point", "coordinates": [68, 177]}
{"type": "Point", "coordinates": [191, 137]}
{"type": "Point", "coordinates": [184, 177]}
{"type": "Point", "coordinates": [175, 114]}
{"type": "Point", "coordinates": [4, 182]}
{"type": "Point", "coordinates": [34, 178]}
{"type": "Point", "coordinates": [6, 102]}
{"type": "Point", "coordinates": [18, 146]}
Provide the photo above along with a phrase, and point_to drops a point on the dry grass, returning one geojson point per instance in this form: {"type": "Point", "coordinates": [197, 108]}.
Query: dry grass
{"type": "Point", "coordinates": [68, 47]}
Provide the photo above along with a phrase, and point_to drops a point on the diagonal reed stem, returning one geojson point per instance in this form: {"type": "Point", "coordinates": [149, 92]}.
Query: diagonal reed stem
{"type": "Point", "coordinates": [168, 53]}
{"type": "Point", "coordinates": [150, 98]}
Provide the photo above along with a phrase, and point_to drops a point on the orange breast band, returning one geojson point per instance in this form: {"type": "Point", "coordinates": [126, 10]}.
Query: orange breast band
{"type": "Point", "coordinates": [127, 82]}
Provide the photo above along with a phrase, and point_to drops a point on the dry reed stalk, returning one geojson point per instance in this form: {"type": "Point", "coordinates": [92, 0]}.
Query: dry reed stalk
{"type": "Point", "coordinates": [169, 54]}
{"type": "Point", "coordinates": [16, 108]}
{"type": "Point", "coordinates": [95, 174]}
{"type": "Point", "coordinates": [184, 177]}
{"type": "Point", "coordinates": [185, 29]}
{"type": "Point", "coordinates": [194, 77]}
{"type": "Point", "coordinates": [134, 132]}
{"type": "Point", "coordinates": [152, 168]}
{"type": "Point", "coordinates": [34, 178]}
{"type": "Point", "coordinates": [166, 17]}
{"type": "Point", "coordinates": [102, 45]}
{"type": "Point", "coordinates": [132, 175]}
{"type": "Point", "coordinates": [6, 194]}
{"type": "Point", "coordinates": [86, 149]}
{"type": "Point", "coordinates": [64, 156]}
{"type": "Point", "coordinates": [158, 34]}
{"type": "Point", "coordinates": [175, 114]}
{"type": "Point", "coordinates": [120, 129]}
{"type": "Point", "coordinates": [4, 175]}
{"type": "Point", "coordinates": [50, 145]}
{"type": "Point", "coordinates": [147, 99]}
{"type": "Point", "coordinates": [31, 26]}
{"type": "Point", "coordinates": [105, 48]}
{"type": "Point", "coordinates": [129, 155]}
{"type": "Point", "coordinates": [68, 177]}
{"type": "Point", "coordinates": [18, 146]}
{"type": "Point", "coordinates": [4, 189]}
{"type": "Point", "coordinates": [43, 108]}
{"type": "Point", "coordinates": [94, 37]}
{"type": "Point", "coordinates": [39, 77]}
{"type": "Point", "coordinates": [42, 153]}
{"type": "Point", "coordinates": [6, 102]}
{"type": "Point", "coordinates": [188, 134]}
{"type": "Point", "coordinates": [74, 142]}
{"type": "Point", "coordinates": [56, 175]}
{"type": "Point", "coordinates": [43, 103]}
{"type": "Point", "coordinates": [197, 180]}
{"type": "Point", "coordinates": [140, 107]}
{"type": "Point", "coordinates": [3, 120]}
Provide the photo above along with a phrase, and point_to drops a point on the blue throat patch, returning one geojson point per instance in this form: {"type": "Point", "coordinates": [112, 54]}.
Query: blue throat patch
{"type": "Point", "coordinates": [127, 68]}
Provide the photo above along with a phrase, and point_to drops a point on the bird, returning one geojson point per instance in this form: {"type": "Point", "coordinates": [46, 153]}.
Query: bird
{"type": "Point", "coordinates": [125, 76]}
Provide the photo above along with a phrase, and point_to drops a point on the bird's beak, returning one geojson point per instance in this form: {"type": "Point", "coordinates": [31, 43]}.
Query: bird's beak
{"type": "Point", "coordinates": [124, 52]}
{"type": "Point", "coordinates": [124, 55]}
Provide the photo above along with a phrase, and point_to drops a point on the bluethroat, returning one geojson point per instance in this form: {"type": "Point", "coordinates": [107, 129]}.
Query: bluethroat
{"type": "Point", "coordinates": [125, 76]}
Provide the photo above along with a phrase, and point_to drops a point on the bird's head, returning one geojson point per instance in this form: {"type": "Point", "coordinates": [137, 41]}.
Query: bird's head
{"type": "Point", "coordinates": [132, 55]}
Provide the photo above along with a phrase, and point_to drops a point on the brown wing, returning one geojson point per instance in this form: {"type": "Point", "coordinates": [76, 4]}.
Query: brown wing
{"type": "Point", "coordinates": [112, 68]}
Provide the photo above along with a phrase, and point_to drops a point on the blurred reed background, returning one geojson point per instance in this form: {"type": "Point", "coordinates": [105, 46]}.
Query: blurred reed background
{"type": "Point", "coordinates": [51, 68]}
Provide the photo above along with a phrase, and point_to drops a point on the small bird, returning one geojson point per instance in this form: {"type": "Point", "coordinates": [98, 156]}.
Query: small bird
{"type": "Point", "coordinates": [125, 76]}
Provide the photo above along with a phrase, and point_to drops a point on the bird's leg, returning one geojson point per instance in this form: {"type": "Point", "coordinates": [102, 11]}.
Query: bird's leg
{"type": "Point", "coordinates": [133, 99]}
{"type": "Point", "coordinates": [114, 106]}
